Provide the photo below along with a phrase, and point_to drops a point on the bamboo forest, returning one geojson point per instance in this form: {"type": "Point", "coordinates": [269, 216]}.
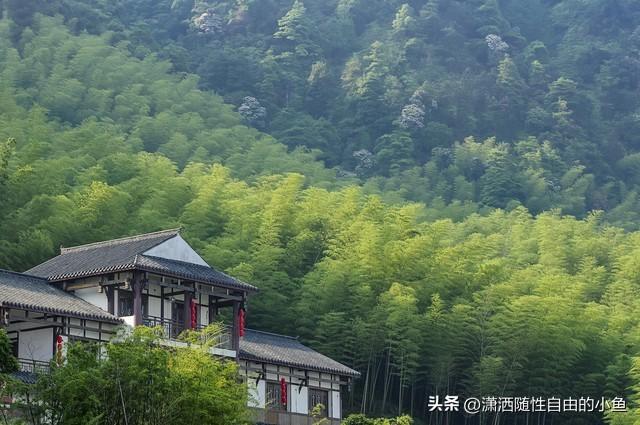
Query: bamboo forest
{"type": "Point", "coordinates": [443, 195]}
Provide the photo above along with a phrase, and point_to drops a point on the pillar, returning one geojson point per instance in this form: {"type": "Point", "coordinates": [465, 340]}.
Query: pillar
{"type": "Point", "coordinates": [188, 296]}
{"type": "Point", "coordinates": [137, 299]}
{"type": "Point", "coordinates": [109, 291]}
{"type": "Point", "coordinates": [235, 334]}
{"type": "Point", "coordinates": [213, 308]}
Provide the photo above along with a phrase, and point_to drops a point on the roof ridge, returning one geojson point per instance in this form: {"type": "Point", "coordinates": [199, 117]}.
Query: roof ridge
{"type": "Point", "coordinates": [295, 338]}
{"type": "Point", "coordinates": [143, 236]}
{"type": "Point", "coordinates": [23, 275]}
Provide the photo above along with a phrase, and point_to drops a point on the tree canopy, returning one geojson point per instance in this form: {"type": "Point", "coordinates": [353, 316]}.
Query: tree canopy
{"type": "Point", "coordinates": [443, 194]}
{"type": "Point", "coordinates": [136, 381]}
{"type": "Point", "coordinates": [341, 73]}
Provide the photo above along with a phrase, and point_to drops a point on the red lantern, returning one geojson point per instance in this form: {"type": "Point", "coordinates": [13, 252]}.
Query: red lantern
{"type": "Point", "coordinates": [59, 343]}
{"type": "Point", "coordinates": [283, 392]}
{"type": "Point", "coordinates": [241, 320]}
{"type": "Point", "coordinates": [194, 314]}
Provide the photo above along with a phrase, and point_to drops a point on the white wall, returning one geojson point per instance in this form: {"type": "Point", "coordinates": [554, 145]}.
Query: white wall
{"type": "Point", "coordinates": [94, 297]}
{"type": "Point", "coordinates": [336, 406]}
{"type": "Point", "coordinates": [129, 321]}
{"type": "Point", "coordinates": [154, 307]}
{"type": "Point", "coordinates": [299, 400]}
{"type": "Point", "coordinates": [154, 302]}
{"type": "Point", "coordinates": [168, 306]}
{"type": "Point", "coordinates": [257, 393]}
{"type": "Point", "coordinates": [36, 345]}
{"type": "Point", "coordinates": [176, 248]}
{"type": "Point", "coordinates": [204, 313]}
{"type": "Point", "coordinates": [78, 331]}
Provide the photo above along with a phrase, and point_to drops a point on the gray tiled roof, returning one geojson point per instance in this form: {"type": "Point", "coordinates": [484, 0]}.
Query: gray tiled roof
{"type": "Point", "coordinates": [99, 258]}
{"type": "Point", "coordinates": [287, 351]}
{"type": "Point", "coordinates": [190, 271]}
{"type": "Point", "coordinates": [127, 254]}
{"type": "Point", "coordinates": [22, 291]}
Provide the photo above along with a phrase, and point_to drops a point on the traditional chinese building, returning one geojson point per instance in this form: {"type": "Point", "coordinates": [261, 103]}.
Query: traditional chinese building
{"type": "Point", "coordinates": [287, 379]}
{"type": "Point", "coordinates": [36, 314]}
{"type": "Point", "coordinates": [157, 279]}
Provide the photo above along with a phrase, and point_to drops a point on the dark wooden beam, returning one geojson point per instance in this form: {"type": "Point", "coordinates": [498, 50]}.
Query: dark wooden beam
{"type": "Point", "coordinates": [37, 328]}
{"type": "Point", "coordinates": [225, 304]}
{"type": "Point", "coordinates": [291, 376]}
{"type": "Point", "coordinates": [235, 332]}
{"type": "Point", "coordinates": [114, 284]}
{"type": "Point", "coordinates": [175, 286]}
{"type": "Point", "coordinates": [137, 286]}
{"type": "Point", "coordinates": [55, 343]}
{"type": "Point", "coordinates": [213, 309]}
{"type": "Point", "coordinates": [220, 293]}
{"type": "Point", "coordinates": [27, 319]}
{"type": "Point", "coordinates": [51, 322]}
{"type": "Point", "coordinates": [188, 296]}
{"type": "Point", "coordinates": [205, 289]}
{"type": "Point", "coordinates": [109, 291]}
{"type": "Point", "coordinates": [81, 285]}
{"type": "Point", "coordinates": [162, 302]}
{"type": "Point", "coordinates": [4, 318]}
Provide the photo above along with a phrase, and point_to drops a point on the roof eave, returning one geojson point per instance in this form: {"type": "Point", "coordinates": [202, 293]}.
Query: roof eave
{"type": "Point", "coordinates": [131, 267]}
{"type": "Point", "coordinates": [247, 288]}
{"type": "Point", "coordinates": [22, 306]}
{"type": "Point", "coordinates": [91, 273]}
{"type": "Point", "coordinates": [251, 357]}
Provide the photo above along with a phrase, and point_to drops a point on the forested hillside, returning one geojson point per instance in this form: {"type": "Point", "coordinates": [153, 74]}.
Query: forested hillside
{"type": "Point", "coordinates": [387, 91]}
{"type": "Point", "coordinates": [336, 155]}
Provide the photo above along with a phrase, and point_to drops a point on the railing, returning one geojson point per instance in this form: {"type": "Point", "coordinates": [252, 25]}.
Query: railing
{"type": "Point", "coordinates": [223, 339]}
{"type": "Point", "coordinates": [172, 328]}
{"type": "Point", "coordinates": [34, 366]}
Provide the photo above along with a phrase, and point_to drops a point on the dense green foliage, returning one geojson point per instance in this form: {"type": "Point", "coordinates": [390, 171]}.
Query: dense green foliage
{"type": "Point", "coordinates": [363, 420]}
{"type": "Point", "coordinates": [136, 382]}
{"type": "Point", "coordinates": [8, 363]}
{"type": "Point", "coordinates": [105, 133]}
{"type": "Point", "coordinates": [632, 416]}
{"type": "Point", "coordinates": [384, 89]}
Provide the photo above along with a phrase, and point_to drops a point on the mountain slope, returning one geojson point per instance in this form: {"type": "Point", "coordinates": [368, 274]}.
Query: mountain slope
{"type": "Point", "coordinates": [386, 89]}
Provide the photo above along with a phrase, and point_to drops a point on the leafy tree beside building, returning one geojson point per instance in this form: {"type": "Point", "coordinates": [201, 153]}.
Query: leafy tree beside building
{"type": "Point", "coordinates": [137, 381]}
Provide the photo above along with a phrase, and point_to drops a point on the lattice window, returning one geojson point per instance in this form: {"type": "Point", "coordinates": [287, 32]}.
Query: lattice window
{"type": "Point", "coordinates": [317, 397]}
{"type": "Point", "coordinates": [274, 400]}
{"type": "Point", "coordinates": [125, 304]}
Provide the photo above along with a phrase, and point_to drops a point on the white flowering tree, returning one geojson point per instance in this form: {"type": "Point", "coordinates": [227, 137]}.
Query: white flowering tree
{"type": "Point", "coordinates": [252, 112]}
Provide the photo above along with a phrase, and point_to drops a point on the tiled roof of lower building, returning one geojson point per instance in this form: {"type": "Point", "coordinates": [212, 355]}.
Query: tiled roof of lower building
{"type": "Point", "coordinates": [288, 351]}
{"type": "Point", "coordinates": [32, 293]}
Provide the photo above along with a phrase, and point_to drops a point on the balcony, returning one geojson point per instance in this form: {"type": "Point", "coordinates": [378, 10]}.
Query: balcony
{"type": "Point", "coordinates": [171, 330]}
